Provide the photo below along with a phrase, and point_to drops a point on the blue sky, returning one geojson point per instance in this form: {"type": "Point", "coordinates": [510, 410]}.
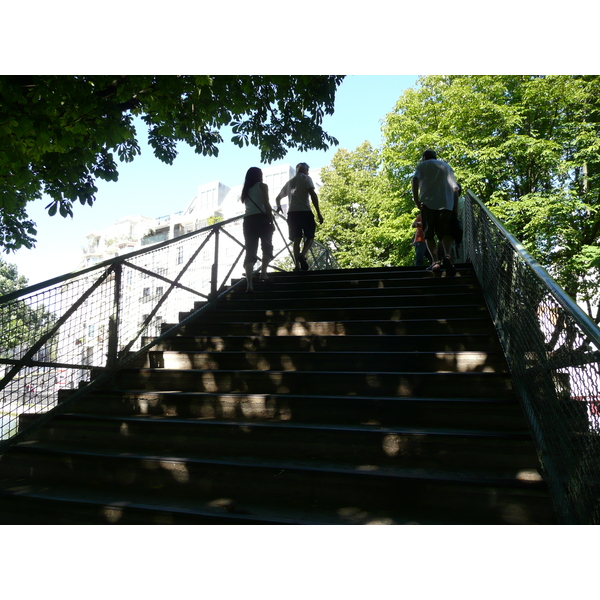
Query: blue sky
{"type": "Point", "coordinates": [381, 39]}
{"type": "Point", "coordinates": [151, 188]}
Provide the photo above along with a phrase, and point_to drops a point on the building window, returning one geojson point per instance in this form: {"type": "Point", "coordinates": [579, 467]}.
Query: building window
{"type": "Point", "coordinates": [208, 200]}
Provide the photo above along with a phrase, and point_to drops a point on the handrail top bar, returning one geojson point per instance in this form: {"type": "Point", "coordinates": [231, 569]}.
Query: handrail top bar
{"type": "Point", "coordinates": [117, 259]}
{"type": "Point", "coordinates": [584, 321]}
{"type": "Point", "coordinates": [109, 262]}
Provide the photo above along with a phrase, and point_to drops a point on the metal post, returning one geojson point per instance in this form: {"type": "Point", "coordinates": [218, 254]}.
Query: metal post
{"type": "Point", "coordinates": [215, 266]}
{"type": "Point", "coordinates": [114, 319]}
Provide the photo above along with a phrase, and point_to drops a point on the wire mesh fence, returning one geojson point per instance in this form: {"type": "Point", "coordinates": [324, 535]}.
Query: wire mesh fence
{"type": "Point", "coordinates": [45, 343]}
{"type": "Point", "coordinates": [53, 334]}
{"type": "Point", "coordinates": [553, 351]}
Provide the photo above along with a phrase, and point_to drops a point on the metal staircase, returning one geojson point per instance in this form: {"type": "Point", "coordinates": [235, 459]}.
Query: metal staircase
{"type": "Point", "coordinates": [326, 397]}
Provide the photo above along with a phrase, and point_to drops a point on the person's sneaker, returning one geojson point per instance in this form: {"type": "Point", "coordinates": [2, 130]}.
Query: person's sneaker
{"type": "Point", "coordinates": [303, 263]}
{"type": "Point", "coordinates": [436, 267]}
{"type": "Point", "coordinates": [450, 268]}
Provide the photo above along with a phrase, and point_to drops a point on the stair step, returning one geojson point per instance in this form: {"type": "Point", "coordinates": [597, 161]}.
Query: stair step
{"type": "Point", "coordinates": [373, 313]}
{"type": "Point", "coordinates": [421, 491]}
{"type": "Point", "coordinates": [371, 302]}
{"type": "Point", "coordinates": [62, 504]}
{"type": "Point", "coordinates": [334, 343]}
{"type": "Point", "coordinates": [356, 290]}
{"type": "Point", "coordinates": [385, 276]}
{"type": "Point", "coordinates": [331, 361]}
{"type": "Point", "coordinates": [350, 396]}
{"type": "Point", "coordinates": [342, 327]}
{"type": "Point", "coordinates": [402, 446]}
{"type": "Point", "coordinates": [341, 383]}
{"type": "Point", "coordinates": [379, 287]}
{"type": "Point", "coordinates": [492, 413]}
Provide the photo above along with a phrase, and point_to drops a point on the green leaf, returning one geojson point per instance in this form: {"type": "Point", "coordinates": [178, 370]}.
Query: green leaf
{"type": "Point", "coordinates": [67, 125]}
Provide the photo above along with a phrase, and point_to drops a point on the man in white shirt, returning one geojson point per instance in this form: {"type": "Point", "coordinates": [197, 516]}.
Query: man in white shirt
{"type": "Point", "coordinates": [435, 193]}
{"type": "Point", "coordinates": [301, 221]}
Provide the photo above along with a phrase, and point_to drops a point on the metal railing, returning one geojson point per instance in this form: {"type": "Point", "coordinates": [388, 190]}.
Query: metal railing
{"type": "Point", "coordinates": [553, 352]}
{"type": "Point", "coordinates": [54, 333]}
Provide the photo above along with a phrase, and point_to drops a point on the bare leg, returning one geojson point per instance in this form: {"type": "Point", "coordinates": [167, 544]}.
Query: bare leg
{"type": "Point", "coordinates": [297, 251]}
{"type": "Point", "coordinates": [307, 246]}
{"type": "Point", "coordinates": [249, 285]}
{"type": "Point", "coordinates": [450, 268]}
{"type": "Point", "coordinates": [263, 270]}
{"type": "Point", "coordinates": [447, 242]}
{"type": "Point", "coordinates": [432, 247]}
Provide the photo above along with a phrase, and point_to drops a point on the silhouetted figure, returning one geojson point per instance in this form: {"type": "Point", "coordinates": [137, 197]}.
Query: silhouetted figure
{"type": "Point", "coordinates": [258, 224]}
{"type": "Point", "coordinates": [435, 193]}
{"type": "Point", "coordinates": [301, 222]}
{"type": "Point", "coordinates": [419, 241]}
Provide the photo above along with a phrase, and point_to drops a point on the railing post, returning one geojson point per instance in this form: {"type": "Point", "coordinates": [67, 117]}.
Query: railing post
{"type": "Point", "coordinates": [113, 320]}
{"type": "Point", "coordinates": [118, 313]}
{"type": "Point", "coordinates": [215, 265]}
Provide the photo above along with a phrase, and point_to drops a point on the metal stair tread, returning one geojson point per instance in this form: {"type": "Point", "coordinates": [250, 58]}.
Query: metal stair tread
{"type": "Point", "coordinates": [494, 358]}
{"type": "Point", "coordinates": [272, 292]}
{"type": "Point", "coordinates": [359, 339]}
{"type": "Point", "coordinates": [219, 509]}
{"type": "Point", "coordinates": [425, 307]}
{"type": "Point", "coordinates": [373, 284]}
{"type": "Point", "coordinates": [277, 446]}
{"type": "Point", "coordinates": [334, 352]}
{"type": "Point", "coordinates": [325, 353]}
{"type": "Point", "coordinates": [307, 373]}
{"type": "Point", "coordinates": [523, 435]}
{"type": "Point", "coordinates": [443, 476]}
{"type": "Point", "coordinates": [312, 336]}
{"type": "Point", "coordinates": [344, 299]}
{"type": "Point", "coordinates": [507, 400]}
{"type": "Point", "coordinates": [367, 274]}
{"type": "Point", "coordinates": [373, 321]}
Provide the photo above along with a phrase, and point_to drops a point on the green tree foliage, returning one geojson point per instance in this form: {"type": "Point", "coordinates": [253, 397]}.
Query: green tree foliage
{"type": "Point", "coordinates": [59, 134]}
{"type": "Point", "coordinates": [528, 146]}
{"type": "Point", "coordinates": [214, 219]}
{"type": "Point", "coordinates": [367, 223]}
{"type": "Point", "coordinates": [21, 324]}
{"type": "Point", "coordinates": [10, 280]}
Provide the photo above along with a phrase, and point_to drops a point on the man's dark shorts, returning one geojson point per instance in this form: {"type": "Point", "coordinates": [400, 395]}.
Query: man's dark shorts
{"type": "Point", "coordinates": [301, 223]}
{"type": "Point", "coordinates": [436, 222]}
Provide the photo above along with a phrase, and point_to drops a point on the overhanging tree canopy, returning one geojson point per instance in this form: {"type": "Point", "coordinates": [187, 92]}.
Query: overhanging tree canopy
{"type": "Point", "coordinates": [59, 134]}
{"type": "Point", "coordinates": [529, 146]}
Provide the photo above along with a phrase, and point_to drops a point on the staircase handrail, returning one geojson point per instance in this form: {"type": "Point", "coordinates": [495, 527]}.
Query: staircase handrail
{"type": "Point", "coordinates": [585, 322]}
{"type": "Point", "coordinates": [54, 333]}
{"type": "Point", "coordinates": [552, 349]}
{"type": "Point", "coordinates": [112, 261]}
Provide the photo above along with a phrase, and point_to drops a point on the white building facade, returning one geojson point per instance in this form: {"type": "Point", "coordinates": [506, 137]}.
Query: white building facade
{"type": "Point", "coordinates": [214, 202]}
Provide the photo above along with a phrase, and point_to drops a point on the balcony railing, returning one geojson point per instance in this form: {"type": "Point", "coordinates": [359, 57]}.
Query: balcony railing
{"type": "Point", "coordinates": [154, 239]}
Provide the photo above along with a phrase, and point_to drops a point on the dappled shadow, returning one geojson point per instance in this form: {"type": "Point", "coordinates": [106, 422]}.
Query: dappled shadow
{"type": "Point", "coordinates": [267, 410]}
